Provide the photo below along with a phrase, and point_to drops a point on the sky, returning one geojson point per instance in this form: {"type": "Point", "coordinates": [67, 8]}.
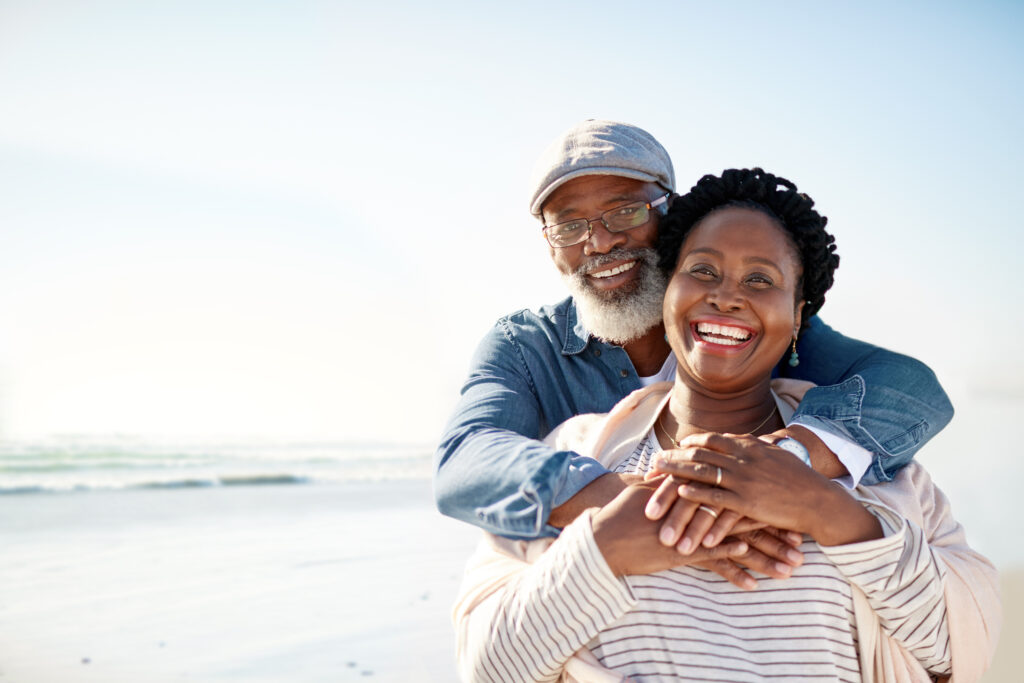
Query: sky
{"type": "Point", "coordinates": [296, 220]}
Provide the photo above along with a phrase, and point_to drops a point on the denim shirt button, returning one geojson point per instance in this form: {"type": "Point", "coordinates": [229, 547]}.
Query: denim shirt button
{"type": "Point", "coordinates": [624, 373]}
{"type": "Point", "coordinates": [597, 352]}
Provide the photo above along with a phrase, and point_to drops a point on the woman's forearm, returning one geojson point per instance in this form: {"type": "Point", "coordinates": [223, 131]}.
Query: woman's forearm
{"type": "Point", "coordinates": [837, 518]}
{"type": "Point", "coordinates": [543, 614]}
{"type": "Point", "coordinates": [903, 583]}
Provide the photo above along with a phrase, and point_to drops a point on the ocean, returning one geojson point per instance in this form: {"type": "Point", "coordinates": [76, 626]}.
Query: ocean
{"type": "Point", "coordinates": [77, 463]}
{"type": "Point", "coordinates": [973, 460]}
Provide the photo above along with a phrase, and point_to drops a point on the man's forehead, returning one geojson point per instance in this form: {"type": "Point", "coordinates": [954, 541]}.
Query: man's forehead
{"type": "Point", "coordinates": [595, 191]}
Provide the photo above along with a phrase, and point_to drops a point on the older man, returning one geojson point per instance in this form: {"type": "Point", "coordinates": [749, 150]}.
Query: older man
{"type": "Point", "coordinates": [599, 190]}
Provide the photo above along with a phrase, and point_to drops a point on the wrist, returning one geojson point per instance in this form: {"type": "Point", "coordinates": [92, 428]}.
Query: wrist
{"type": "Point", "coordinates": [788, 443]}
{"type": "Point", "coordinates": [823, 460]}
{"type": "Point", "coordinates": [595, 494]}
{"type": "Point", "coordinates": [839, 519]}
{"type": "Point", "coordinates": [606, 537]}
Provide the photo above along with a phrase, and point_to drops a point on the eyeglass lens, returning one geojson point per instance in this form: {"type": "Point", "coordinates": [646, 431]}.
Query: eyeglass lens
{"type": "Point", "coordinates": [615, 220]}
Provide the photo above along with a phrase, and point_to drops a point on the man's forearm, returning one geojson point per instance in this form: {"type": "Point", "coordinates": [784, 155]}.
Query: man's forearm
{"type": "Point", "coordinates": [596, 494]}
{"type": "Point", "coordinates": [506, 483]}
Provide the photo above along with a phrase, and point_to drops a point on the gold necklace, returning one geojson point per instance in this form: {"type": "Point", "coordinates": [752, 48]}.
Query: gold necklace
{"type": "Point", "coordinates": [675, 444]}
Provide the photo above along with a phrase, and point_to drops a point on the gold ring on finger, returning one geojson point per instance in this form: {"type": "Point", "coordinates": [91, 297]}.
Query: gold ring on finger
{"type": "Point", "coordinates": [718, 478]}
{"type": "Point", "coordinates": [710, 511]}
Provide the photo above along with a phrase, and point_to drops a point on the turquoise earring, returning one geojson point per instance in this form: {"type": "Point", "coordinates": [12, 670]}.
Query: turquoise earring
{"type": "Point", "coordinates": [794, 358]}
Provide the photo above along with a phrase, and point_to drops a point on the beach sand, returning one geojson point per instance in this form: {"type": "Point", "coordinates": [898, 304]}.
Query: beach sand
{"type": "Point", "coordinates": [274, 583]}
{"type": "Point", "coordinates": [1005, 668]}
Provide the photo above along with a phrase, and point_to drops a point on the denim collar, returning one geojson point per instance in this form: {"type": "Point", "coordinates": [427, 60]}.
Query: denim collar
{"type": "Point", "coordinates": [576, 335]}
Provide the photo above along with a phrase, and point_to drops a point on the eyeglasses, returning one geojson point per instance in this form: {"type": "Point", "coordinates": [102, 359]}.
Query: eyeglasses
{"type": "Point", "coordinates": [619, 219]}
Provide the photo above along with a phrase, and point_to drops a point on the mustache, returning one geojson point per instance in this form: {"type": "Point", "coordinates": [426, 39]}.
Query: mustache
{"type": "Point", "coordinates": [644, 254]}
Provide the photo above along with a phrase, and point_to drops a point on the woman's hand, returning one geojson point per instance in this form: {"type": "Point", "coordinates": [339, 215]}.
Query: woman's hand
{"type": "Point", "coordinates": [688, 524]}
{"type": "Point", "coordinates": [766, 483]}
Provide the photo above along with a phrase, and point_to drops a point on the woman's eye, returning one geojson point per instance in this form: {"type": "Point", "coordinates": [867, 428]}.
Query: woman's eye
{"type": "Point", "coordinates": [703, 272]}
{"type": "Point", "coordinates": [759, 281]}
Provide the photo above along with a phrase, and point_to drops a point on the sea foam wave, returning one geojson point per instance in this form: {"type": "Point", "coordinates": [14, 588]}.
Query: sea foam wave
{"type": "Point", "coordinates": [78, 464]}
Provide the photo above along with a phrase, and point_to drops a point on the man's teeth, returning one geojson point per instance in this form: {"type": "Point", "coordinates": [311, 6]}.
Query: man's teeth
{"type": "Point", "coordinates": [614, 271]}
{"type": "Point", "coordinates": [722, 334]}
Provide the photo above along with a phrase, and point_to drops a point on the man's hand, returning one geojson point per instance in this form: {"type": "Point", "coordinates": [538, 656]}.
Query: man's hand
{"type": "Point", "coordinates": [770, 551]}
{"type": "Point", "coordinates": [629, 541]}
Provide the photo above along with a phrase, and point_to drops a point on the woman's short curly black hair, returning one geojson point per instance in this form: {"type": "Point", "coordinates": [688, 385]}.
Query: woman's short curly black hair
{"type": "Point", "coordinates": [774, 196]}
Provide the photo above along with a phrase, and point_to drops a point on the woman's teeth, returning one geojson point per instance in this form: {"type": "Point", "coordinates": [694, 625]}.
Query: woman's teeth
{"type": "Point", "coordinates": [614, 271]}
{"type": "Point", "coordinates": [722, 334]}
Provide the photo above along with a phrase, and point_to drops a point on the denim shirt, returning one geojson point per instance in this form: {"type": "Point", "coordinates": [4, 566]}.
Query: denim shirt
{"type": "Point", "coordinates": [534, 370]}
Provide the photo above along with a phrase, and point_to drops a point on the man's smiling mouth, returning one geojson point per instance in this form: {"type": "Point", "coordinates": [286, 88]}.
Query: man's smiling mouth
{"type": "Point", "coordinates": [724, 335]}
{"type": "Point", "coordinates": [613, 271]}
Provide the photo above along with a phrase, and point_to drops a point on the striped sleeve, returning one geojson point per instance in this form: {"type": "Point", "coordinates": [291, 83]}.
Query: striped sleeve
{"type": "Point", "coordinates": [904, 584]}
{"type": "Point", "coordinates": [529, 629]}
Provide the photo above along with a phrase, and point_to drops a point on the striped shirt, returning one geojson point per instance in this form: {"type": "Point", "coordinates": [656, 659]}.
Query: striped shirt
{"type": "Point", "coordinates": [691, 624]}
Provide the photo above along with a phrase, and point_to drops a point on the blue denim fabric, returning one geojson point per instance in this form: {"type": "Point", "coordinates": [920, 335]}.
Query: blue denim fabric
{"type": "Point", "coordinates": [534, 370]}
{"type": "Point", "coordinates": [886, 402]}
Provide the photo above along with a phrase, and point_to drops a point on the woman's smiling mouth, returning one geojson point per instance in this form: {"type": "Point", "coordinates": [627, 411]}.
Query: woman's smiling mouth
{"type": "Point", "coordinates": [717, 334]}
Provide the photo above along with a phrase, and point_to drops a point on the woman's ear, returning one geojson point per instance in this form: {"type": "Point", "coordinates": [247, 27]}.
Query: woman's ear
{"type": "Point", "coordinates": [798, 317]}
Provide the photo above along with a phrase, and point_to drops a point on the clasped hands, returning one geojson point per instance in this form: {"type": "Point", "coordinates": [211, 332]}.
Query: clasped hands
{"type": "Point", "coordinates": [728, 503]}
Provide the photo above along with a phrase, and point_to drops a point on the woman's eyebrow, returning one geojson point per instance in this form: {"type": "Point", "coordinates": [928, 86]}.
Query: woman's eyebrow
{"type": "Point", "coordinates": [704, 250]}
{"type": "Point", "coordinates": [763, 261]}
{"type": "Point", "coordinates": [748, 260]}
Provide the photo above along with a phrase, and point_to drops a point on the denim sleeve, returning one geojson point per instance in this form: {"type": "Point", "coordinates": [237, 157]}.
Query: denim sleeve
{"type": "Point", "coordinates": [888, 403]}
{"type": "Point", "coordinates": [490, 469]}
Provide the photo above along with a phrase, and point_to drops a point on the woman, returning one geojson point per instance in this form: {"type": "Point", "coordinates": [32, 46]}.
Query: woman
{"type": "Point", "coordinates": [888, 589]}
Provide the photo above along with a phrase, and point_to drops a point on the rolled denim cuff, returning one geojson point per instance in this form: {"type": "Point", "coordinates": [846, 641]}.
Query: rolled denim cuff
{"type": "Point", "coordinates": [524, 515]}
{"type": "Point", "coordinates": [582, 471]}
{"type": "Point", "coordinates": [854, 457]}
{"type": "Point", "coordinates": [839, 409]}
{"type": "Point", "coordinates": [836, 403]}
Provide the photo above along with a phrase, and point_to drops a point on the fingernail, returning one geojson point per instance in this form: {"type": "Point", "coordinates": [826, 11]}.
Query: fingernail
{"type": "Point", "coordinates": [749, 584]}
{"type": "Point", "coordinates": [709, 541]}
{"type": "Point", "coordinates": [653, 510]}
{"type": "Point", "coordinates": [795, 557]}
{"type": "Point", "coordinates": [668, 535]}
{"type": "Point", "coordinates": [795, 538]}
{"type": "Point", "coordinates": [685, 546]}
{"type": "Point", "coordinates": [783, 568]}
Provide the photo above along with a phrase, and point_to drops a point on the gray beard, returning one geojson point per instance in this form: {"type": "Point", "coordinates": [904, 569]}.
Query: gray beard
{"type": "Point", "coordinates": [627, 313]}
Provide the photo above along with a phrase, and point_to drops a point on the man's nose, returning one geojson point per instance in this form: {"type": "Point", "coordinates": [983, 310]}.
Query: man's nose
{"type": "Point", "coordinates": [602, 240]}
